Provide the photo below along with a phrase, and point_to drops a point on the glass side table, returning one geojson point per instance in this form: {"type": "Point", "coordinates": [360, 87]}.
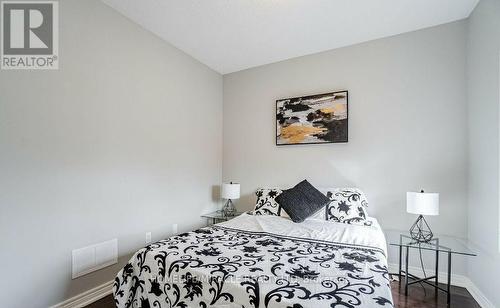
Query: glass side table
{"type": "Point", "coordinates": [443, 244]}
{"type": "Point", "coordinates": [218, 216]}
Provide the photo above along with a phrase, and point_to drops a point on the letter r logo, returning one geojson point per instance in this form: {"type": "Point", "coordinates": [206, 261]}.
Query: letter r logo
{"type": "Point", "coordinates": [27, 28]}
{"type": "Point", "coordinates": [18, 25]}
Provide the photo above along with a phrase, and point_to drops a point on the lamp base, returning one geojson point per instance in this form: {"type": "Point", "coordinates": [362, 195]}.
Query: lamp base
{"type": "Point", "coordinates": [420, 231]}
{"type": "Point", "coordinates": [229, 209]}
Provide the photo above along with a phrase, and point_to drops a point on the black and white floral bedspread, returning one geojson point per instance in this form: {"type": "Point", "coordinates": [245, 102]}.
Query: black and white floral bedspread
{"type": "Point", "coordinates": [224, 267]}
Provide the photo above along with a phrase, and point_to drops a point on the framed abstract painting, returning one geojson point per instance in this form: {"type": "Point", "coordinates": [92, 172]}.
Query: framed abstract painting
{"type": "Point", "coordinates": [313, 119]}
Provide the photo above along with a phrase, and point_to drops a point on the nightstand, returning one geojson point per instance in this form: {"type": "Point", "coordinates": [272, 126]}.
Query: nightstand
{"type": "Point", "coordinates": [444, 244]}
{"type": "Point", "coordinates": [218, 216]}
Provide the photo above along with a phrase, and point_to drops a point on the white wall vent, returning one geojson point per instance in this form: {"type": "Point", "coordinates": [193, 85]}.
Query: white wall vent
{"type": "Point", "coordinates": [94, 257]}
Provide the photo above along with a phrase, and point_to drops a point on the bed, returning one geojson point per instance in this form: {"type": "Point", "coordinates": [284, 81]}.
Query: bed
{"type": "Point", "coordinates": [261, 261]}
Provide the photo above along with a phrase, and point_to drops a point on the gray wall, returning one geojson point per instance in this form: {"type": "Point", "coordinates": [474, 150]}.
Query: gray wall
{"type": "Point", "coordinates": [126, 137]}
{"type": "Point", "coordinates": [407, 125]}
{"type": "Point", "coordinates": [483, 53]}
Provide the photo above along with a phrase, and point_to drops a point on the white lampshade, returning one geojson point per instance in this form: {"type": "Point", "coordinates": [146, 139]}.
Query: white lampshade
{"type": "Point", "coordinates": [230, 191]}
{"type": "Point", "coordinates": [422, 203]}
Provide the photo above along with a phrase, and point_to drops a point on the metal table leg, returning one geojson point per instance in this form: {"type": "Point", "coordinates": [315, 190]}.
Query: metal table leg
{"type": "Point", "coordinates": [406, 271]}
{"type": "Point", "coordinates": [449, 278]}
{"type": "Point", "coordinates": [400, 263]}
{"type": "Point", "coordinates": [437, 272]}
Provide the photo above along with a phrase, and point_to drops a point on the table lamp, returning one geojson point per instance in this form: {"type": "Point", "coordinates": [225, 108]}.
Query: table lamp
{"type": "Point", "coordinates": [422, 203]}
{"type": "Point", "coordinates": [230, 191]}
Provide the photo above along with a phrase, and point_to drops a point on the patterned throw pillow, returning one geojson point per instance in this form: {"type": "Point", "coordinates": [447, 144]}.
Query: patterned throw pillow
{"type": "Point", "coordinates": [266, 202]}
{"type": "Point", "coordinates": [348, 206]}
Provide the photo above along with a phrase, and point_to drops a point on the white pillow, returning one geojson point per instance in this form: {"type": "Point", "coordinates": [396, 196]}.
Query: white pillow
{"type": "Point", "coordinates": [266, 202]}
{"type": "Point", "coordinates": [349, 205]}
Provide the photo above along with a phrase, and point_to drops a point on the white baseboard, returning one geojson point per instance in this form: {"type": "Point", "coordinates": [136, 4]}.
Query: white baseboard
{"type": "Point", "coordinates": [87, 297]}
{"type": "Point", "coordinates": [456, 280]}
{"type": "Point", "coordinates": [479, 296]}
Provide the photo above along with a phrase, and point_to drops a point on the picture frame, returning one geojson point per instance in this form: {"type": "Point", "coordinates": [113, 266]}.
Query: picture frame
{"type": "Point", "coordinates": [313, 119]}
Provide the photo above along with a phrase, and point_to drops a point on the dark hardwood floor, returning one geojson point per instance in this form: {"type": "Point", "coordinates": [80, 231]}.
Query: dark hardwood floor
{"type": "Point", "coordinates": [106, 302]}
{"type": "Point", "coordinates": [460, 297]}
{"type": "Point", "coordinates": [416, 299]}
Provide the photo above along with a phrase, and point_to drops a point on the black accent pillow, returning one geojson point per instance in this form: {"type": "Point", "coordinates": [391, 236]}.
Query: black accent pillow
{"type": "Point", "coordinates": [302, 201]}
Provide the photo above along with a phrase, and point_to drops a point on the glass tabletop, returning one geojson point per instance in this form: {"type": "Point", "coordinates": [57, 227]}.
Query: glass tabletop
{"type": "Point", "coordinates": [219, 215]}
{"type": "Point", "coordinates": [443, 243]}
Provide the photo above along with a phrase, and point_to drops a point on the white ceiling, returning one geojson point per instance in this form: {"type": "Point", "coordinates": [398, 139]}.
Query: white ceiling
{"type": "Point", "coordinates": [232, 35]}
